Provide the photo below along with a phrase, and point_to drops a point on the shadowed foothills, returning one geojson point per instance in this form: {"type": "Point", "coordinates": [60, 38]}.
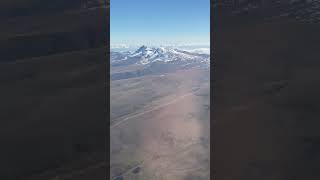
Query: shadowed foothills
{"type": "Point", "coordinates": [266, 84]}
{"type": "Point", "coordinates": [53, 75]}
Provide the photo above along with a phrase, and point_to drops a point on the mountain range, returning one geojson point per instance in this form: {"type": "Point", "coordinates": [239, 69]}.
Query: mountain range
{"type": "Point", "coordinates": [149, 61]}
{"type": "Point", "coordinates": [147, 55]}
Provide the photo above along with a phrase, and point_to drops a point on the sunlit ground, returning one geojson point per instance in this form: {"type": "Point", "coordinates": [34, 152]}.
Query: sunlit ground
{"type": "Point", "coordinates": [169, 137]}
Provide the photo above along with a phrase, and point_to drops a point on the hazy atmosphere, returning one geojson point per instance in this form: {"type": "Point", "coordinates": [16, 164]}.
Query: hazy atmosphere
{"type": "Point", "coordinates": [160, 59]}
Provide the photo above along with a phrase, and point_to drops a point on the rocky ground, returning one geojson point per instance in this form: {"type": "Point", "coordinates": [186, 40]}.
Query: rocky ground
{"type": "Point", "coordinates": [160, 126]}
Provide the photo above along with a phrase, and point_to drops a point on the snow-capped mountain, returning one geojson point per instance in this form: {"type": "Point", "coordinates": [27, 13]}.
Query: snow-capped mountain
{"type": "Point", "coordinates": [154, 61]}
{"type": "Point", "coordinates": [146, 55]}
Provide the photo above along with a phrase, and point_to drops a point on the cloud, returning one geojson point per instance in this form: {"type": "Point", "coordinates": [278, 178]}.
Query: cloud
{"type": "Point", "coordinates": [115, 46]}
{"type": "Point", "coordinates": [200, 50]}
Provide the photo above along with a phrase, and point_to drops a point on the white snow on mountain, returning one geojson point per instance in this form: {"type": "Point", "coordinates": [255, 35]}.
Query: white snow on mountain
{"type": "Point", "coordinates": [145, 55]}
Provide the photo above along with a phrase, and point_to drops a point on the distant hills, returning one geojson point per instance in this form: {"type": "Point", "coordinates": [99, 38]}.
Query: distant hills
{"type": "Point", "coordinates": [146, 55]}
{"type": "Point", "coordinates": [150, 61]}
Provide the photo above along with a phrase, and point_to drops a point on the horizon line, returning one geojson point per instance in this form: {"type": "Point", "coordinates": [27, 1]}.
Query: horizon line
{"type": "Point", "coordinates": [124, 45]}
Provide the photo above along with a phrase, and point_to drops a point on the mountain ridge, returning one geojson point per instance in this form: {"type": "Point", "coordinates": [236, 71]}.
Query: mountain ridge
{"type": "Point", "coordinates": [146, 55]}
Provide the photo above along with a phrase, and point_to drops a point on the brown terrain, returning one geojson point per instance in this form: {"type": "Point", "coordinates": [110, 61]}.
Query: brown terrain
{"type": "Point", "coordinates": [53, 88]}
{"type": "Point", "coordinates": [266, 98]}
{"type": "Point", "coordinates": [160, 126]}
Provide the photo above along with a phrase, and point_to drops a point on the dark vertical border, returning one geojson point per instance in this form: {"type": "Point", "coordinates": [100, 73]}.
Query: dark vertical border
{"type": "Point", "coordinates": [212, 94]}
{"type": "Point", "coordinates": [107, 75]}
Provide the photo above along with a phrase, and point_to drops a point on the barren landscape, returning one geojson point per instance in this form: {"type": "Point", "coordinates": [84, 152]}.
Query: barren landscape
{"type": "Point", "coordinates": [160, 126]}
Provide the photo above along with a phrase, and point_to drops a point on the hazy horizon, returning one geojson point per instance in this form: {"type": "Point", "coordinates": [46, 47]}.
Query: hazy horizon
{"type": "Point", "coordinates": [204, 48]}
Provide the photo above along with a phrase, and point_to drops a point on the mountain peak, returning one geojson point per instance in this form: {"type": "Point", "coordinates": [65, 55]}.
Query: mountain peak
{"type": "Point", "coordinates": [142, 48]}
{"type": "Point", "coordinates": [145, 55]}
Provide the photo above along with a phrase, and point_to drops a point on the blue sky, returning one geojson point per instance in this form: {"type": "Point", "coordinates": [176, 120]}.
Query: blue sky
{"type": "Point", "coordinates": [159, 22]}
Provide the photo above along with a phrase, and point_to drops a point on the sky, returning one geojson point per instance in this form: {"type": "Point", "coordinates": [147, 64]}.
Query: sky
{"type": "Point", "coordinates": [159, 22]}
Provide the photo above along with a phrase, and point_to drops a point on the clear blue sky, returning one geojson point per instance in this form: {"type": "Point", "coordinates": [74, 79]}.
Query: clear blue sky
{"type": "Point", "coordinates": [159, 21]}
